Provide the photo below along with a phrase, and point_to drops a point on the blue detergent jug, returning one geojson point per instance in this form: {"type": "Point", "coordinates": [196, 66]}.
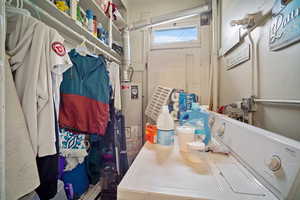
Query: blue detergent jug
{"type": "Point", "coordinates": [192, 118]}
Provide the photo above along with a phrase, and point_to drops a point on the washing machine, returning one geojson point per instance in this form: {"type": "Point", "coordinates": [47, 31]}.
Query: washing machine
{"type": "Point", "coordinates": [261, 165]}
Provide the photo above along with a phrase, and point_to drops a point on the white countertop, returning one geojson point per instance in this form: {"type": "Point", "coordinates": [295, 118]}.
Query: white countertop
{"type": "Point", "coordinates": [165, 173]}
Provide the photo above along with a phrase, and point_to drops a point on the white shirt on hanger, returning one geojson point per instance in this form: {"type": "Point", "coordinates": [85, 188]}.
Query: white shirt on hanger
{"type": "Point", "coordinates": [35, 49]}
{"type": "Point", "coordinates": [114, 76]}
{"type": "Point", "coordinates": [60, 64]}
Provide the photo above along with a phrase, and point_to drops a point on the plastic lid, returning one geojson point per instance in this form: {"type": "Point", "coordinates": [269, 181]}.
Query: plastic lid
{"type": "Point", "coordinates": [89, 14]}
{"type": "Point", "coordinates": [199, 146]}
{"type": "Point", "coordinates": [185, 130]}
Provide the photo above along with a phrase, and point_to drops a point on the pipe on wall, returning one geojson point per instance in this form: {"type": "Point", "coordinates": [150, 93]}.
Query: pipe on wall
{"type": "Point", "coordinates": [214, 68]}
{"type": "Point", "coordinates": [277, 101]}
{"type": "Point", "coordinates": [252, 24]}
{"type": "Point", "coordinates": [171, 17]}
{"type": "Point", "coordinates": [253, 57]}
{"type": "Point", "coordinates": [127, 56]}
{"type": "Point", "coordinates": [2, 99]}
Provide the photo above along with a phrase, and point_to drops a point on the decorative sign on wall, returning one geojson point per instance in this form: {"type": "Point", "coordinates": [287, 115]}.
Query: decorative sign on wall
{"type": "Point", "coordinates": [285, 27]}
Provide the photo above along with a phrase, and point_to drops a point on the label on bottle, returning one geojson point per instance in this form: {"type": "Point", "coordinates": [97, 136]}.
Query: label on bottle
{"type": "Point", "coordinates": [91, 25]}
{"type": "Point", "coordinates": [165, 137]}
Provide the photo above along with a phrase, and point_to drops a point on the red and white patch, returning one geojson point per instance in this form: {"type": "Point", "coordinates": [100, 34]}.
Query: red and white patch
{"type": "Point", "coordinates": [59, 48]}
{"type": "Point", "coordinates": [124, 87]}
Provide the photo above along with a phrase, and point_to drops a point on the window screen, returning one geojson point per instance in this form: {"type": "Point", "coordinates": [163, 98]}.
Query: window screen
{"type": "Point", "coordinates": [185, 34]}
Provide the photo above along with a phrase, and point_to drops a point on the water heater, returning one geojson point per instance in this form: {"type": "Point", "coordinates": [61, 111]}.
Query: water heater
{"type": "Point", "coordinates": [132, 111]}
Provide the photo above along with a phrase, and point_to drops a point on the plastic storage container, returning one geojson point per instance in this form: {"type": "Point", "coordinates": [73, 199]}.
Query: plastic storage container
{"type": "Point", "coordinates": [197, 152]}
{"type": "Point", "coordinates": [165, 126]}
{"type": "Point", "coordinates": [185, 135]}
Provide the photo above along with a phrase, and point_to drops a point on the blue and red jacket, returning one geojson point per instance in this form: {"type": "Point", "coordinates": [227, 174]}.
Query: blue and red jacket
{"type": "Point", "coordinates": [84, 104]}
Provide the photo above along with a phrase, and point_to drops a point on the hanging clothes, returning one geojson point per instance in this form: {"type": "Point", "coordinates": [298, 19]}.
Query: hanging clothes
{"type": "Point", "coordinates": [114, 77]}
{"type": "Point", "coordinates": [94, 160]}
{"type": "Point", "coordinates": [48, 171]}
{"type": "Point", "coordinates": [77, 179]}
{"type": "Point", "coordinates": [72, 148]}
{"type": "Point", "coordinates": [57, 78]}
{"type": "Point", "coordinates": [21, 172]}
{"type": "Point", "coordinates": [120, 128]}
{"type": "Point", "coordinates": [35, 49]}
{"type": "Point", "coordinates": [85, 95]}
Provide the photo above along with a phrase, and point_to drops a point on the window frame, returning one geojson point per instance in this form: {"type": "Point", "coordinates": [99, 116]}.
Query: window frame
{"type": "Point", "coordinates": [174, 45]}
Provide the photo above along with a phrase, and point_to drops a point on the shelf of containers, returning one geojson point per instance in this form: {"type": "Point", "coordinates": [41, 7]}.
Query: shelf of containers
{"type": "Point", "coordinates": [47, 12]}
{"type": "Point", "coordinates": [93, 5]}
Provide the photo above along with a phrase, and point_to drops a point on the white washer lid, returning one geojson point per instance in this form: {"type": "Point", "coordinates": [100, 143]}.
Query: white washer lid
{"type": "Point", "coordinates": [165, 173]}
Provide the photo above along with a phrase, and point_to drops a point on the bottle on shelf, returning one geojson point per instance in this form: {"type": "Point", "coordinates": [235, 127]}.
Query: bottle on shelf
{"type": "Point", "coordinates": [80, 16]}
{"type": "Point", "coordinates": [90, 20]}
{"type": "Point", "coordinates": [95, 26]}
{"type": "Point", "coordinates": [73, 8]}
{"type": "Point", "coordinates": [99, 26]}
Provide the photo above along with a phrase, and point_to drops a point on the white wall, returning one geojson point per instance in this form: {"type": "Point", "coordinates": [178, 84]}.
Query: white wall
{"type": "Point", "coordinates": [278, 74]}
{"type": "Point", "coordinates": [184, 66]}
{"type": "Point", "coordinates": [143, 10]}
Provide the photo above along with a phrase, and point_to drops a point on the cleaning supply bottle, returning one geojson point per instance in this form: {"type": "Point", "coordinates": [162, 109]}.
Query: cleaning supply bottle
{"type": "Point", "coordinates": [99, 26]}
{"type": "Point", "coordinates": [89, 16]}
{"type": "Point", "coordinates": [165, 126]}
{"type": "Point", "coordinates": [95, 26]}
{"type": "Point", "coordinates": [73, 8]}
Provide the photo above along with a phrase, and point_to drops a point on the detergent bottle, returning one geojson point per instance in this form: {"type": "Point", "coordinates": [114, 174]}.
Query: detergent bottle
{"type": "Point", "coordinates": [165, 128]}
{"type": "Point", "coordinates": [198, 119]}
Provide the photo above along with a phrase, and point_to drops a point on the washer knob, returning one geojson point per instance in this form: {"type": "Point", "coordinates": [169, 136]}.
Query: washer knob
{"type": "Point", "coordinates": [274, 163]}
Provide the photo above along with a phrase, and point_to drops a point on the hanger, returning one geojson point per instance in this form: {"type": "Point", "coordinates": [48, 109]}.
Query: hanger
{"type": "Point", "coordinates": [107, 59]}
{"type": "Point", "coordinates": [10, 10]}
{"type": "Point", "coordinates": [83, 50]}
{"type": "Point", "coordinates": [94, 53]}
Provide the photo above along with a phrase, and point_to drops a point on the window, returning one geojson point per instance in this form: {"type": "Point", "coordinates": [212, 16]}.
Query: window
{"type": "Point", "coordinates": [175, 35]}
